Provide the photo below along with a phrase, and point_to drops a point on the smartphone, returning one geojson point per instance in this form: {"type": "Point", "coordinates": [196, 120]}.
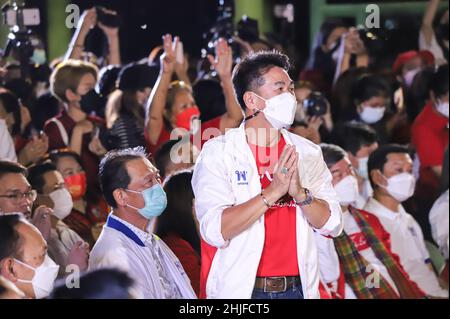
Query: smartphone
{"type": "Point", "coordinates": [108, 19]}
{"type": "Point", "coordinates": [180, 53]}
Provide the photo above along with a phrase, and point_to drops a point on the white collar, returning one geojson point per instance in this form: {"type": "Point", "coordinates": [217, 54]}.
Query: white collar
{"type": "Point", "coordinates": [379, 210]}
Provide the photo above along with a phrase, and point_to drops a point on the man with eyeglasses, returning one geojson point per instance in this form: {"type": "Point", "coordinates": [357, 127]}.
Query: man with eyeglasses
{"type": "Point", "coordinates": [17, 196]}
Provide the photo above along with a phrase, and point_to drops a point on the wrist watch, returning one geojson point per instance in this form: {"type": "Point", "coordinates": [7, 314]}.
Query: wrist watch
{"type": "Point", "coordinates": [309, 199]}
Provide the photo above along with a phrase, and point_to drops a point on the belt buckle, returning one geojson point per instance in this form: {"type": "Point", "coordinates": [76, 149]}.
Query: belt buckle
{"type": "Point", "coordinates": [285, 284]}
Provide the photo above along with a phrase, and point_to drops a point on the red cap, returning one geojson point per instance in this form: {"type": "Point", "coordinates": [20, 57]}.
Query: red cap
{"type": "Point", "coordinates": [405, 57]}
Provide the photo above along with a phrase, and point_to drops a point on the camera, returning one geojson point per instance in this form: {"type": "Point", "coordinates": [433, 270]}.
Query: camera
{"type": "Point", "coordinates": [108, 19]}
{"type": "Point", "coordinates": [223, 27]}
{"type": "Point", "coordinates": [315, 105]}
{"type": "Point", "coordinates": [373, 39]}
{"type": "Point", "coordinates": [20, 41]}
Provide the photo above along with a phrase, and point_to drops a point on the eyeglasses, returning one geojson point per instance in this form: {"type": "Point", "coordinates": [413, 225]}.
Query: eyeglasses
{"type": "Point", "coordinates": [17, 197]}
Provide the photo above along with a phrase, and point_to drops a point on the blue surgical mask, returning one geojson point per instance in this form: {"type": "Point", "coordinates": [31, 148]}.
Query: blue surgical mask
{"type": "Point", "coordinates": [155, 201]}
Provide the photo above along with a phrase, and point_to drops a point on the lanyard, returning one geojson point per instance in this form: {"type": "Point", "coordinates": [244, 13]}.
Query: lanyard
{"type": "Point", "coordinates": [117, 225]}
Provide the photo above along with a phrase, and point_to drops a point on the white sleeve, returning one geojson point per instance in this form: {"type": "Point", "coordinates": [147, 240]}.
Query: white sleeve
{"type": "Point", "coordinates": [320, 185]}
{"type": "Point", "coordinates": [439, 220]}
{"type": "Point", "coordinates": [328, 259]}
{"type": "Point", "coordinates": [213, 193]}
{"type": "Point", "coordinates": [7, 149]}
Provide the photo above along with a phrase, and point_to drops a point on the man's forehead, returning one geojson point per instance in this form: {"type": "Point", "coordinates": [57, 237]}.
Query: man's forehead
{"type": "Point", "coordinates": [399, 157]}
{"type": "Point", "coordinates": [342, 164]}
{"type": "Point", "coordinates": [277, 74]}
{"type": "Point", "coordinates": [13, 181]}
{"type": "Point", "coordinates": [140, 167]}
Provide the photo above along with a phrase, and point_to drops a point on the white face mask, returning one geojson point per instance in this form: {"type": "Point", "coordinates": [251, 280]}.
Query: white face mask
{"type": "Point", "coordinates": [347, 190]}
{"type": "Point", "coordinates": [401, 186]}
{"type": "Point", "coordinates": [44, 277]}
{"type": "Point", "coordinates": [280, 110]}
{"type": "Point", "coordinates": [409, 77]}
{"type": "Point", "coordinates": [442, 107]}
{"type": "Point", "coordinates": [63, 203]}
{"type": "Point", "coordinates": [362, 167]}
{"type": "Point", "coordinates": [372, 115]}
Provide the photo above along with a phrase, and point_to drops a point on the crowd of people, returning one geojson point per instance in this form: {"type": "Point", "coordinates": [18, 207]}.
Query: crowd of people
{"type": "Point", "coordinates": [228, 177]}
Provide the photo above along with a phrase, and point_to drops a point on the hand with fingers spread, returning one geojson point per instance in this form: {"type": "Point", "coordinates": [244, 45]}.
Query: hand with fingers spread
{"type": "Point", "coordinates": [223, 62]}
{"type": "Point", "coordinates": [282, 175]}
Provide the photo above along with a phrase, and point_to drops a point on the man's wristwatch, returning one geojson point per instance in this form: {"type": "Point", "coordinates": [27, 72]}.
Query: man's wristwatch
{"type": "Point", "coordinates": [309, 199]}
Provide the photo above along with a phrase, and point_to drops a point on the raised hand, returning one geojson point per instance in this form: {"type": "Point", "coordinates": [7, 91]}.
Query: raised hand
{"type": "Point", "coordinates": [223, 62]}
{"type": "Point", "coordinates": [88, 20]}
{"type": "Point", "coordinates": [168, 59]}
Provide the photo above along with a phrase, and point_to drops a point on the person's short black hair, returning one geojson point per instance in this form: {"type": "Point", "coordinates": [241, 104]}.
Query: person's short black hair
{"type": "Point", "coordinates": [113, 173]}
{"type": "Point", "coordinates": [248, 75]}
{"type": "Point", "coordinates": [379, 157]}
{"type": "Point", "coordinates": [99, 284]}
{"type": "Point", "coordinates": [56, 155]}
{"type": "Point", "coordinates": [369, 86]}
{"type": "Point", "coordinates": [11, 168]}
{"type": "Point", "coordinates": [210, 99]}
{"type": "Point", "coordinates": [162, 157]}
{"type": "Point", "coordinates": [36, 175]}
{"type": "Point", "coordinates": [9, 236]}
{"type": "Point", "coordinates": [439, 81]}
{"type": "Point", "coordinates": [352, 136]}
{"type": "Point", "coordinates": [332, 154]}
{"type": "Point", "coordinates": [178, 218]}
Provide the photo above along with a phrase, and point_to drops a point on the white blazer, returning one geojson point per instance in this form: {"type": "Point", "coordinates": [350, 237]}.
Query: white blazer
{"type": "Point", "coordinates": [226, 175]}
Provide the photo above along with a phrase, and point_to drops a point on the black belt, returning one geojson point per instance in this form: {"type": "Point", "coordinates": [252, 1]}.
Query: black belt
{"type": "Point", "coordinates": [276, 284]}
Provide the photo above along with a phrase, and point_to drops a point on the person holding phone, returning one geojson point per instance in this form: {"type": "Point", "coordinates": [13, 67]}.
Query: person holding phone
{"type": "Point", "coordinates": [106, 20]}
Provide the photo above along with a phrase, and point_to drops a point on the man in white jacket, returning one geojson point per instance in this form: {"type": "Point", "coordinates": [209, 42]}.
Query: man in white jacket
{"type": "Point", "coordinates": [261, 193]}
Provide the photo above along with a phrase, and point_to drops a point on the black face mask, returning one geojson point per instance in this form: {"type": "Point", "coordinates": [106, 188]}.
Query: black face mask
{"type": "Point", "coordinates": [91, 102]}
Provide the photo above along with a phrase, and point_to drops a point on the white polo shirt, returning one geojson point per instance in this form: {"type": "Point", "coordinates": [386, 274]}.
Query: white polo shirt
{"type": "Point", "coordinates": [408, 243]}
{"type": "Point", "coordinates": [440, 224]}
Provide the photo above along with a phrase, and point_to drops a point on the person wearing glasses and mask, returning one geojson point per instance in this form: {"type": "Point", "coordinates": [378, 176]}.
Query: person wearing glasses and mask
{"type": "Point", "coordinates": [23, 257]}
{"type": "Point", "coordinates": [260, 192]}
{"type": "Point", "coordinates": [132, 187]}
{"type": "Point", "coordinates": [17, 196]}
{"type": "Point", "coordinates": [65, 246]}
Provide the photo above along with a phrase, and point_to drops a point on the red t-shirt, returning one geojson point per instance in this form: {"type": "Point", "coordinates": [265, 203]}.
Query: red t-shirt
{"type": "Point", "coordinates": [82, 223]}
{"type": "Point", "coordinates": [279, 257]}
{"type": "Point", "coordinates": [188, 257]}
{"type": "Point", "coordinates": [209, 130]}
{"type": "Point", "coordinates": [89, 160]}
{"type": "Point", "coordinates": [430, 138]}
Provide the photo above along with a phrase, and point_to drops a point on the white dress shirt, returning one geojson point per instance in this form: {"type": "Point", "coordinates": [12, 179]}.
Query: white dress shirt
{"type": "Point", "coordinates": [408, 243]}
{"type": "Point", "coordinates": [156, 271]}
{"type": "Point", "coordinates": [440, 223]}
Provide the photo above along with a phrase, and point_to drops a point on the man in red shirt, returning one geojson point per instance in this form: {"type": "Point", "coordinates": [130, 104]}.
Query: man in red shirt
{"type": "Point", "coordinates": [430, 138]}
{"type": "Point", "coordinates": [260, 192]}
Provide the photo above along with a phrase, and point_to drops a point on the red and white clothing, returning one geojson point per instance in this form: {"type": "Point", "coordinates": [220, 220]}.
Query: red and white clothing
{"type": "Point", "coordinates": [408, 243]}
{"type": "Point", "coordinates": [279, 256]}
{"type": "Point", "coordinates": [226, 175]}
